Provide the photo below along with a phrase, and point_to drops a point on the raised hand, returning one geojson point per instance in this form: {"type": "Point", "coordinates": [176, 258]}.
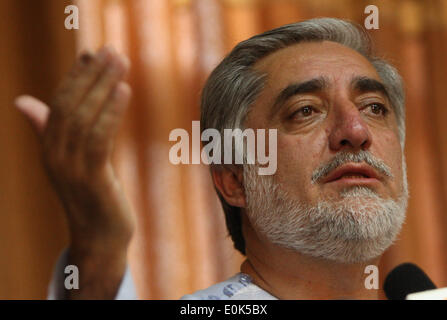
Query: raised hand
{"type": "Point", "coordinates": [77, 130]}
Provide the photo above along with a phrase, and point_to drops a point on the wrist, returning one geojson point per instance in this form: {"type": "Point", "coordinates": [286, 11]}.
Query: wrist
{"type": "Point", "coordinates": [100, 271]}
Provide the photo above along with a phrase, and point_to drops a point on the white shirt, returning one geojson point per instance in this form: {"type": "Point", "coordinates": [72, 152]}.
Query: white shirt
{"type": "Point", "coordinates": [238, 287]}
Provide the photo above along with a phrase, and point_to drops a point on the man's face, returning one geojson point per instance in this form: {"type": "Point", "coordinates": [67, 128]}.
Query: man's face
{"type": "Point", "coordinates": [339, 108]}
{"type": "Point", "coordinates": [339, 191]}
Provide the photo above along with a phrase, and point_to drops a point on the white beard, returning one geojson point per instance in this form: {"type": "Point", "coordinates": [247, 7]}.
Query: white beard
{"type": "Point", "coordinates": [356, 228]}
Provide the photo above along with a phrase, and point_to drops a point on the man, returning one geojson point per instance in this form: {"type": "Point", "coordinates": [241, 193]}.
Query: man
{"type": "Point", "coordinates": [335, 204]}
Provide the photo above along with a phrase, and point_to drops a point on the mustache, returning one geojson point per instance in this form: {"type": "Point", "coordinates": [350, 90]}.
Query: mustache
{"type": "Point", "coordinates": [346, 157]}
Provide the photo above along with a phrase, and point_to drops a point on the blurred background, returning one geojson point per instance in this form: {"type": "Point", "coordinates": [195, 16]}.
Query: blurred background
{"type": "Point", "coordinates": [181, 244]}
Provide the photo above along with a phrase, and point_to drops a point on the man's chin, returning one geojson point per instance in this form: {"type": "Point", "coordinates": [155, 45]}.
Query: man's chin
{"type": "Point", "coordinates": [349, 226]}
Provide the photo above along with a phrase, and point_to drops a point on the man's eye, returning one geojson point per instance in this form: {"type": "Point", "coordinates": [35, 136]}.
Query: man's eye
{"type": "Point", "coordinates": [378, 108]}
{"type": "Point", "coordinates": [305, 111]}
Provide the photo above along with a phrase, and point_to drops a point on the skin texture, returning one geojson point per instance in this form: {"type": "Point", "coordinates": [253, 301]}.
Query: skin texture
{"type": "Point", "coordinates": [77, 130]}
{"type": "Point", "coordinates": [341, 119]}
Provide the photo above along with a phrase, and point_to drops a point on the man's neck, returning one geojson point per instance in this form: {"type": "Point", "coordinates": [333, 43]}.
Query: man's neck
{"type": "Point", "coordinates": [287, 274]}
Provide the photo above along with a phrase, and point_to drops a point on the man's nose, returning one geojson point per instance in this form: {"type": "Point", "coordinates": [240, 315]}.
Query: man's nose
{"type": "Point", "coordinates": [349, 130]}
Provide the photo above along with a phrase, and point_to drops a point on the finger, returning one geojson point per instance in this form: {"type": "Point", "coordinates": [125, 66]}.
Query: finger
{"type": "Point", "coordinates": [90, 107]}
{"type": "Point", "coordinates": [112, 113]}
{"type": "Point", "coordinates": [35, 110]}
{"type": "Point", "coordinates": [100, 140]}
{"type": "Point", "coordinates": [73, 89]}
{"type": "Point", "coordinates": [79, 80]}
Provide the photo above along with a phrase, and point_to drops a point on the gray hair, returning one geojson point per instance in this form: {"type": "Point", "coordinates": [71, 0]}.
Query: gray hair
{"type": "Point", "coordinates": [234, 85]}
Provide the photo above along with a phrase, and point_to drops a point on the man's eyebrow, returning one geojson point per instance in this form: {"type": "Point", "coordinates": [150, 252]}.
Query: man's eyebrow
{"type": "Point", "coordinates": [309, 86]}
{"type": "Point", "coordinates": [365, 84]}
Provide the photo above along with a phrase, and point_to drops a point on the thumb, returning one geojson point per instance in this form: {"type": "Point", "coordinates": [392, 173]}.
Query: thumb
{"type": "Point", "coordinates": [35, 110]}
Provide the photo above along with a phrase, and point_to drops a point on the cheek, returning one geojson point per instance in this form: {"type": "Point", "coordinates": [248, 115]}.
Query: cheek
{"type": "Point", "coordinates": [390, 151]}
{"type": "Point", "coordinates": [297, 158]}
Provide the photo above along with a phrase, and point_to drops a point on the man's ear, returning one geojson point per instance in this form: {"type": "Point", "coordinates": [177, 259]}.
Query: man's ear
{"type": "Point", "coordinates": [228, 180]}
